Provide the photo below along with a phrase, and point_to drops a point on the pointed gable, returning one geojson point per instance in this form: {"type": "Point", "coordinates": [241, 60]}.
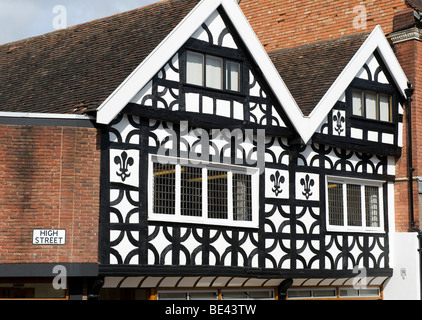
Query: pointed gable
{"type": "Point", "coordinates": [318, 75]}
{"type": "Point", "coordinates": [304, 90]}
{"type": "Point", "coordinates": [106, 64]}
{"type": "Point", "coordinates": [194, 26]}
{"type": "Point", "coordinates": [223, 80]}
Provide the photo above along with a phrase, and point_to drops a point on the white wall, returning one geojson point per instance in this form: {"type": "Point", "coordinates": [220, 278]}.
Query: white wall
{"type": "Point", "coordinates": [404, 259]}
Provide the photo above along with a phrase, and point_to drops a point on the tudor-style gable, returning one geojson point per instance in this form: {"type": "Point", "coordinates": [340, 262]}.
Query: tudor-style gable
{"type": "Point", "coordinates": [317, 89]}
{"type": "Point", "coordinates": [287, 104]}
{"type": "Point", "coordinates": [242, 37]}
{"type": "Point", "coordinates": [212, 79]}
{"type": "Point", "coordinates": [375, 45]}
{"type": "Point", "coordinates": [369, 114]}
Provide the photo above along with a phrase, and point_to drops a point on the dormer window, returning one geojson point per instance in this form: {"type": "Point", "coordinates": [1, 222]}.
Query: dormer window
{"type": "Point", "coordinates": [212, 71]}
{"type": "Point", "coordinates": [372, 105]}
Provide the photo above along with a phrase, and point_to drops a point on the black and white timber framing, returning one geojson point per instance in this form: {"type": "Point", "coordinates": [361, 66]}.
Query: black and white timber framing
{"type": "Point", "coordinates": [291, 238]}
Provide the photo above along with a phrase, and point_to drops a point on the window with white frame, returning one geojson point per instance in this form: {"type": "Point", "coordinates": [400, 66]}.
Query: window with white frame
{"type": "Point", "coordinates": [209, 193]}
{"type": "Point", "coordinates": [354, 204]}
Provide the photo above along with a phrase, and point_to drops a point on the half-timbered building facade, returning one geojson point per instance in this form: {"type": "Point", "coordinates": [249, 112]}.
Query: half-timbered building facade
{"type": "Point", "coordinates": [227, 172]}
{"type": "Point", "coordinates": [218, 176]}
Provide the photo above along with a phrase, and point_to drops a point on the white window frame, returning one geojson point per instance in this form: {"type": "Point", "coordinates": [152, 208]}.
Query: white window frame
{"type": "Point", "coordinates": [205, 165]}
{"type": "Point", "coordinates": [362, 183]}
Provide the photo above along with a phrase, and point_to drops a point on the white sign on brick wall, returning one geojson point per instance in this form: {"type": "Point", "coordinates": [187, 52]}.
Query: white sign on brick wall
{"type": "Point", "coordinates": [49, 236]}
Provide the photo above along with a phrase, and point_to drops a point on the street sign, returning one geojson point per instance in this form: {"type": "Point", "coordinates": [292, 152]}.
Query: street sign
{"type": "Point", "coordinates": [49, 236]}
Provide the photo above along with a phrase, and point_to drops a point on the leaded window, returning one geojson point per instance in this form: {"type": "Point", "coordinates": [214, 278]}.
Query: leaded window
{"type": "Point", "coordinates": [354, 204]}
{"type": "Point", "coordinates": [204, 193]}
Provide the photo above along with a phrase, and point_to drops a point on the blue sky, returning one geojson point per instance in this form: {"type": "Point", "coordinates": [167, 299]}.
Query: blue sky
{"type": "Point", "coordinates": [20, 19]}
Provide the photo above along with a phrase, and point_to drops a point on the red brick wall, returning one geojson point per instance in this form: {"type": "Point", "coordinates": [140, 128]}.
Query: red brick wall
{"type": "Point", "coordinates": [282, 24]}
{"type": "Point", "coordinates": [49, 178]}
{"type": "Point", "coordinates": [409, 55]}
{"type": "Point", "coordinates": [405, 52]}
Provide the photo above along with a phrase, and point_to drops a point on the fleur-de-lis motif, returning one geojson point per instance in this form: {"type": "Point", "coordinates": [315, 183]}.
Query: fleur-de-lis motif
{"type": "Point", "coordinates": [277, 179]}
{"type": "Point", "coordinates": [307, 183]}
{"type": "Point", "coordinates": [124, 162]}
{"type": "Point", "coordinates": [339, 119]}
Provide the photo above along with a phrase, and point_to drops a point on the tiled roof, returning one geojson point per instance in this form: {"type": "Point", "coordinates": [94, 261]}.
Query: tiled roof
{"type": "Point", "coordinates": [310, 70]}
{"type": "Point", "coordinates": [74, 70]}
{"type": "Point", "coordinates": [415, 4]}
